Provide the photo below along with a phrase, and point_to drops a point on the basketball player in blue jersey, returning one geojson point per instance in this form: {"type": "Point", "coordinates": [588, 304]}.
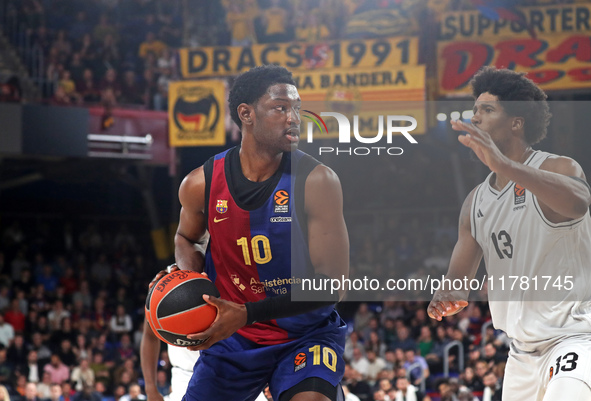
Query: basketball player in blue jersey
{"type": "Point", "coordinates": [261, 203]}
{"type": "Point", "coordinates": [529, 218]}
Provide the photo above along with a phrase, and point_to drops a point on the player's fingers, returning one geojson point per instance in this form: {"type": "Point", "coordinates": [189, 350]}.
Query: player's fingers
{"type": "Point", "coordinates": [433, 313]}
{"type": "Point", "coordinates": [157, 277]}
{"type": "Point", "coordinates": [463, 303]}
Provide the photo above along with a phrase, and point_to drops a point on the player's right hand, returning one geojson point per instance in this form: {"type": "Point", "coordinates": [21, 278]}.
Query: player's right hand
{"type": "Point", "coordinates": [444, 304]}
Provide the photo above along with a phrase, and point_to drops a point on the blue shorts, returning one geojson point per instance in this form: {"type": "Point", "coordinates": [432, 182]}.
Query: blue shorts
{"type": "Point", "coordinates": [237, 369]}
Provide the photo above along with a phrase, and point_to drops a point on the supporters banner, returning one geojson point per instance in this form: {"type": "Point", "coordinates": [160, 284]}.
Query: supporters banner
{"type": "Point", "coordinates": [554, 62]}
{"type": "Point", "coordinates": [349, 54]}
{"type": "Point", "coordinates": [548, 20]}
{"type": "Point", "coordinates": [196, 113]}
{"type": "Point", "coordinates": [367, 93]}
{"type": "Point", "coordinates": [379, 84]}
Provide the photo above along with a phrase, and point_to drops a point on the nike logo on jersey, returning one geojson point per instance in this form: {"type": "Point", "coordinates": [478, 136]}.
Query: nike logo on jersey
{"type": "Point", "coordinates": [216, 220]}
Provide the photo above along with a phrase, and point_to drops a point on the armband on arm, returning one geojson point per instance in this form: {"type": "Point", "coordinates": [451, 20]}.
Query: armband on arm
{"type": "Point", "coordinates": [282, 306]}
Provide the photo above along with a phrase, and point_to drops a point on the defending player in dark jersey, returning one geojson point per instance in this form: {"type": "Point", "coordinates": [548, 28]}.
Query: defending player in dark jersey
{"type": "Point", "coordinates": [261, 202]}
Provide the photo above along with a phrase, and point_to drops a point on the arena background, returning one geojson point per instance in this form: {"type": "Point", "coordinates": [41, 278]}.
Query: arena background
{"type": "Point", "coordinates": [105, 106]}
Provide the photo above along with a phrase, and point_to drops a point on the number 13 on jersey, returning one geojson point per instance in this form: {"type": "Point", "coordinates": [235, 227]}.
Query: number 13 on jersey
{"type": "Point", "coordinates": [261, 249]}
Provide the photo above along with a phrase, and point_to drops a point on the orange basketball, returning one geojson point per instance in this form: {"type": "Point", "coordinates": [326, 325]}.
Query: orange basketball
{"type": "Point", "coordinates": [175, 307]}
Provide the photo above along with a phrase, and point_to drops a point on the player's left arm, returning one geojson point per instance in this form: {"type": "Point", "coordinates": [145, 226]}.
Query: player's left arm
{"type": "Point", "coordinates": [559, 184]}
{"type": "Point", "coordinates": [328, 240]}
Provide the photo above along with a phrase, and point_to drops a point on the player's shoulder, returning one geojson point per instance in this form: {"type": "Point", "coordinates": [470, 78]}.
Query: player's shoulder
{"type": "Point", "coordinates": [562, 165]}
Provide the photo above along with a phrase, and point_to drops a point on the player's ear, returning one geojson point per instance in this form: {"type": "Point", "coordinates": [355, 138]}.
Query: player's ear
{"type": "Point", "coordinates": [518, 124]}
{"type": "Point", "coordinates": [245, 113]}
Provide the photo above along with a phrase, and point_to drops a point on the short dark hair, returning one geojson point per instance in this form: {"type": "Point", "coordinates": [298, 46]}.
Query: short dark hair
{"type": "Point", "coordinates": [253, 84]}
{"type": "Point", "coordinates": [529, 100]}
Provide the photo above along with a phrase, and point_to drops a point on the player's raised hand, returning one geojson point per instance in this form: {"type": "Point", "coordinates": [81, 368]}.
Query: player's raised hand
{"type": "Point", "coordinates": [231, 316]}
{"type": "Point", "coordinates": [445, 304]}
{"type": "Point", "coordinates": [481, 143]}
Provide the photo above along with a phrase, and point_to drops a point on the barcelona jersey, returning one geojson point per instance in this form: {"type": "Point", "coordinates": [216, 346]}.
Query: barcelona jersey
{"type": "Point", "coordinates": [258, 247]}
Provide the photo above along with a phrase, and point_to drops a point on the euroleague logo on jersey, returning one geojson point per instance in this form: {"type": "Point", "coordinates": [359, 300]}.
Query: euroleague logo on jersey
{"type": "Point", "coordinates": [281, 200]}
{"type": "Point", "coordinates": [299, 361]}
{"type": "Point", "coordinates": [519, 193]}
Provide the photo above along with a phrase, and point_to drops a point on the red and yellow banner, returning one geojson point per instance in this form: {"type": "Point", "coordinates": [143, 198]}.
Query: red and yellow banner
{"type": "Point", "coordinates": [555, 62]}
{"type": "Point", "coordinates": [557, 58]}
{"type": "Point", "coordinates": [196, 112]}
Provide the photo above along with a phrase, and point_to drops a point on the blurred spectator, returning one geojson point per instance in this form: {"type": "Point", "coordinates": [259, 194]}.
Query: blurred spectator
{"type": "Point", "coordinates": [56, 392]}
{"type": "Point", "coordinates": [67, 84]}
{"type": "Point", "coordinates": [470, 380]}
{"type": "Point", "coordinates": [87, 51]}
{"type": "Point", "coordinates": [6, 368]}
{"type": "Point", "coordinates": [121, 321]}
{"type": "Point", "coordinates": [162, 383]}
{"type": "Point", "coordinates": [63, 45]}
{"type": "Point", "coordinates": [362, 317]}
{"type": "Point", "coordinates": [240, 24]}
{"type": "Point", "coordinates": [110, 81]}
{"type": "Point", "coordinates": [32, 369]}
{"type": "Point", "coordinates": [151, 88]}
{"type": "Point", "coordinates": [81, 348]}
{"type": "Point", "coordinates": [81, 26]}
{"type": "Point", "coordinates": [82, 375]}
{"type": "Point", "coordinates": [405, 391]}
{"type": "Point", "coordinates": [87, 87]}
{"type": "Point", "coordinates": [103, 29]}
{"type": "Point", "coordinates": [161, 97]}
{"type": "Point", "coordinates": [31, 392]}
{"type": "Point", "coordinates": [57, 370]}
{"type": "Point", "coordinates": [17, 352]}
{"type": "Point", "coordinates": [67, 391]}
{"type": "Point", "coordinates": [100, 369]}
{"type": "Point", "coordinates": [134, 393]}
{"type": "Point", "coordinates": [417, 373]}
{"type": "Point", "coordinates": [6, 332]}
{"type": "Point", "coordinates": [492, 387]}
{"type": "Point", "coordinates": [275, 23]}
{"type": "Point", "coordinates": [4, 298]}
{"type": "Point", "coordinates": [66, 352]}
{"type": "Point", "coordinates": [351, 343]}
{"type": "Point", "coordinates": [57, 314]}
{"type": "Point", "coordinates": [4, 395]}
{"type": "Point", "coordinates": [360, 362]}
{"type": "Point", "coordinates": [348, 395]}
{"type": "Point", "coordinates": [132, 91]}
{"type": "Point", "coordinates": [43, 352]}
{"type": "Point", "coordinates": [151, 45]}
{"type": "Point", "coordinates": [375, 365]}
{"type": "Point", "coordinates": [312, 30]}
{"type": "Point", "coordinates": [87, 394]}
{"type": "Point", "coordinates": [405, 341]}
{"type": "Point", "coordinates": [44, 387]}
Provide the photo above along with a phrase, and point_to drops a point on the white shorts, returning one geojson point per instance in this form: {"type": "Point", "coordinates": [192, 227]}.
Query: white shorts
{"type": "Point", "coordinates": [527, 375]}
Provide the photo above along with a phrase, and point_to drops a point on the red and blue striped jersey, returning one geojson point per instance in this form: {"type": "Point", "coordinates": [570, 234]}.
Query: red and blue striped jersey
{"type": "Point", "coordinates": [258, 250]}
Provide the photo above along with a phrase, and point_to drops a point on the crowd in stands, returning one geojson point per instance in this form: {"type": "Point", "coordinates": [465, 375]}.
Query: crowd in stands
{"type": "Point", "coordinates": [71, 303]}
{"type": "Point", "coordinates": [120, 52]}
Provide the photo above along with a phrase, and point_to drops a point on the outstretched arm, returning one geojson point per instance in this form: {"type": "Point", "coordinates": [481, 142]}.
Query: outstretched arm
{"type": "Point", "coordinates": [464, 262]}
{"type": "Point", "coordinates": [559, 183]}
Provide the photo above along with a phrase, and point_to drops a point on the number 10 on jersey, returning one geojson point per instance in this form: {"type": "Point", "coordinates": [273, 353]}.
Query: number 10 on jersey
{"type": "Point", "coordinates": [261, 249]}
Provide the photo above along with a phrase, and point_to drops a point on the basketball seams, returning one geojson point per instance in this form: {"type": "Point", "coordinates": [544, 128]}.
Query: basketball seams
{"type": "Point", "coordinates": [176, 287]}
